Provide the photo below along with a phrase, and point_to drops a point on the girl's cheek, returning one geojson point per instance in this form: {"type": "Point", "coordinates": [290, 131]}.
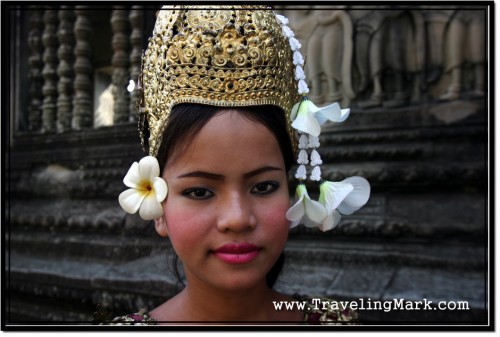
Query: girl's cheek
{"type": "Point", "coordinates": [185, 222]}
{"type": "Point", "coordinates": [276, 214]}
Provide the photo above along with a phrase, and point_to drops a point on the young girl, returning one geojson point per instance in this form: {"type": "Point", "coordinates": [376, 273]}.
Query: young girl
{"type": "Point", "coordinates": [223, 116]}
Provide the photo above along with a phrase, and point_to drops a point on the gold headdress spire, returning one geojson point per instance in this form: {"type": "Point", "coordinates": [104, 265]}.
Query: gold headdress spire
{"type": "Point", "coordinates": [227, 56]}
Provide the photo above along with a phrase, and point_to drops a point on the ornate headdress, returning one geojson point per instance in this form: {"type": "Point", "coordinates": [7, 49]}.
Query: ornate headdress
{"type": "Point", "coordinates": [215, 55]}
{"type": "Point", "coordinates": [234, 56]}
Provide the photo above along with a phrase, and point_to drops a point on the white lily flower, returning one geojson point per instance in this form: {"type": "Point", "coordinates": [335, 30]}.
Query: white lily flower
{"type": "Point", "coordinates": [299, 73]}
{"type": "Point", "coordinates": [315, 212]}
{"type": "Point", "coordinates": [315, 158]}
{"type": "Point", "coordinates": [147, 189]}
{"type": "Point", "coordinates": [303, 141]}
{"type": "Point", "coordinates": [298, 59]}
{"type": "Point", "coordinates": [316, 174]}
{"type": "Point", "coordinates": [301, 173]}
{"type": "Point", "coordinates": [310, 118]}
{"type": "Point", "coordinates": [343, 197]}
{"type": "Point", "coordinates": [294, 44]}
{"type": "Point", "coordinates": [304, 118]}
{"type": "Point", "coordinates": [303, 157]}
{"type": "Point", "coordinates": [282, 19]}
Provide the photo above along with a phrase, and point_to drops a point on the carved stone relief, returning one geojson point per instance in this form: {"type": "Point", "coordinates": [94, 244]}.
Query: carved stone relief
{"type": "Point", "coordinates": [390, 57]}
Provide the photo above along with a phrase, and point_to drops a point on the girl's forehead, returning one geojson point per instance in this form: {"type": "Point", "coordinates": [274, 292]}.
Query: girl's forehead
{"type": "Point", "coordinates": [231, 130]}
{"type": "Point", "coordinates": [230, 139]}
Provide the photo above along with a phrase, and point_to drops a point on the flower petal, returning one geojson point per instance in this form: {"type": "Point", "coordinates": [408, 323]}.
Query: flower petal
{"type": "Point", "coordinates": [331, 112]}
{"type": "Point", "coordinates": [344, 113]}
{"type": "Point", "coordinates": [314, 210]}
{"type": "Point", "coordinates": [132, 179]}
{"type": "Point", "coordinates": [305, 121]}
{"type": "Point", "coordinates": [160, 188]}
{"type": "Point", "coordinates": [131, 199]}
{"type": "Point", "coordinates": [333, 193]}
{"type": "Point", "coordinates": [150, 208]}
{"type": "Point", "coordinates": [294, 224]}
{"type": "Point", "coordinates": [295, 109]}
{"type": "Point", "coordinates": [358, 197]}
{"type": "Point", "coordinates": [149, 168]}
{"type": "Point", "coordinates": [331, 221]}
{"type": "Point", "coordinates": [296, 212]}
{"type": "Point", "coordinates": [310, 223]}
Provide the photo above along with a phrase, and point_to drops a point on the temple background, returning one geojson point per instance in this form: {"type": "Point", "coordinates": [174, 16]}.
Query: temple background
{"type": "Point", "coordinates": [415, 78]}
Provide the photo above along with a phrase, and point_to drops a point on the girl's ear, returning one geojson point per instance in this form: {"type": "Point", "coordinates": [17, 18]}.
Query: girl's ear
{"type": "Point", "coordinates": [161, 226]}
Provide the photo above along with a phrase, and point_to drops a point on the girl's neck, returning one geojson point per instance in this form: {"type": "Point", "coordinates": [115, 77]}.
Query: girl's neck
{"type": "Point", "coordinates": [199, 303]}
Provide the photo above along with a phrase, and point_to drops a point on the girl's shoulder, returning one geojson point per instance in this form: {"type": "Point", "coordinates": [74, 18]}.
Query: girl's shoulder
{"type": "Point", "coordinates": [322, 310]}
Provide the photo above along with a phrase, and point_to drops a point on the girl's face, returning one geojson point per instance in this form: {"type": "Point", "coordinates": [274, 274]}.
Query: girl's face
{"type": "Point", "coordinates": [226, 205]}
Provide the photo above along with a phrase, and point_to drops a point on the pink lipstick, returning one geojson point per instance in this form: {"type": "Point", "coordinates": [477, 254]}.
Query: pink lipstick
{"type": "Point", "coordinates": [237, 253]}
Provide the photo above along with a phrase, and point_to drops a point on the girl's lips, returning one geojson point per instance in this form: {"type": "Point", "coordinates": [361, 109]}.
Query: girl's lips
{"type": "Point", "coordinates": [237, 253]}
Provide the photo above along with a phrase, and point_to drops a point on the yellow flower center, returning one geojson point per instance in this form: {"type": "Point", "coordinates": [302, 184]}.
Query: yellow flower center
{"type": "Point", "coordinates": [145, 185]}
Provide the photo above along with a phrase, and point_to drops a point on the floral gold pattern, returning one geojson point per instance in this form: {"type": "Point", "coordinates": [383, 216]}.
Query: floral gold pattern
{"type": "Point", "coordinates": [227, 56]}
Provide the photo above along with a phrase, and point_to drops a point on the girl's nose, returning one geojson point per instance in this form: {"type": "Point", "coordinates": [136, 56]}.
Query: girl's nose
{"type": "Point", "coordinates": [236, 214]}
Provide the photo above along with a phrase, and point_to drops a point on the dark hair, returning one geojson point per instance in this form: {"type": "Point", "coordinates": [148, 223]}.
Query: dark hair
{"type": "Point", "coordinates": [186, 120]}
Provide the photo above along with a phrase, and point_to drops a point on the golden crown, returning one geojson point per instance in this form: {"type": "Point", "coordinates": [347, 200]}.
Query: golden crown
{"type": "Point", "coordinates": [227, 56]}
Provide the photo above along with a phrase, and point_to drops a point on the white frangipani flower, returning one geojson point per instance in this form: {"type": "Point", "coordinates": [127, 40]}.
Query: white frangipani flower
{"type": "Point", "coordinates": [315, 158]}
{"type": "Point", "coordinates": [314, 212]}
{"type": "Point", "coordinates": [310, 117]}
{"type": "Point", "coordinates": [147, 189]}
{"type": "Point", "coordinates": [303, 157]}
{"type": "Point", "coordinates": [301, 173]}
{"type": "Point", "coordinates": [316, 173]}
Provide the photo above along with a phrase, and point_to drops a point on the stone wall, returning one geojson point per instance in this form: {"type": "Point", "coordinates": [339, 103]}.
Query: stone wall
{"type": "Point", "coordinates": [418, 131]}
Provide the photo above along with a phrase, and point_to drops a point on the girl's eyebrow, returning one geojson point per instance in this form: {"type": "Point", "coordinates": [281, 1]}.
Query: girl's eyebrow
{"type": "Point", "coordinates": [213, 176]}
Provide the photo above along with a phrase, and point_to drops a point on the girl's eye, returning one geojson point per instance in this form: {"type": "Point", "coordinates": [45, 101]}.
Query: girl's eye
{"type": "Point", "coordinates": [265, 187]}
{"type": "Point", "coordinates": [198, 193]}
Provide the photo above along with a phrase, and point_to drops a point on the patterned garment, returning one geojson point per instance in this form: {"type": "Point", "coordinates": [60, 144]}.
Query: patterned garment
{"type": "Point", "coordinates": [314, 313]}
